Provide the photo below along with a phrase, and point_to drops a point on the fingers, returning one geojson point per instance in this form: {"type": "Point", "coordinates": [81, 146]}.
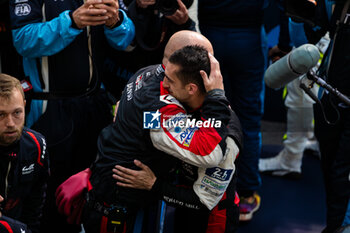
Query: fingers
{"type": "Point", "coordinates": [95, 12]}
{"type": "Point", "coordinates": [214, 67]}
{"type": "Point", "coordinates": [214, 64]}
{"type": "Point", "coordinates": [116, 110]}
{"type": "Point", "coordinates": [89, 17]}
{"type": "Point", "coordinates": [145, 3]}
{"type": "Point", "coordinates": [125, 185]}
{"type": "Point", "coordinates": [140, 164]}
{"type": "Point", "coordinates": [121, 179]}
{"type": "Point", "coordinates": [109, 5]}
{"type": "Point", "coordinates": [214, 81]}
{"type": "Point", "coordinates": [204, 77]}
{"type": "Point", "coordinates": [92, 2]}
{"type": "Point", "coordinates": [94, 19]}
{"type": "Point", "coordinates": [181, 15]}
{"type": "Point", "coordinates": [122, 172]}
{"type": "Point", "coordinates": [182, 6]}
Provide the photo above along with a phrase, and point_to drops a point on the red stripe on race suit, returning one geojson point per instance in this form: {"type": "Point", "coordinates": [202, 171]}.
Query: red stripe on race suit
{"type": "Point", "coordinates": [38, 146]}
{"type": "Point", "coordinates": [7, 226]}
{"type": "Point", "coordinates": [204, 140]}
{"type": "Point", "coordinates": [217, 219]}
{"type": "Point", "coordinates": [237, 200]}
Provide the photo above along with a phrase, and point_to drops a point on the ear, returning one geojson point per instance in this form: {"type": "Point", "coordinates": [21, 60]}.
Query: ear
{"type": "Point", "coordinates": [192, 88]}
{"type": "Point", "coordinates": [25, 102]}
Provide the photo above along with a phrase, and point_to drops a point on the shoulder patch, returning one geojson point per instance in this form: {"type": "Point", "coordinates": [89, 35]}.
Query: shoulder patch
{"type": "Point", "coordinates": [22, 9]}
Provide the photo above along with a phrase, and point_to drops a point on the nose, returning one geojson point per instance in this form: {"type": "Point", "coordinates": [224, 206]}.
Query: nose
{"type": "Point", "coordinates": [9, 121]}
{"type": "Point", "coordinates": [165, 83]}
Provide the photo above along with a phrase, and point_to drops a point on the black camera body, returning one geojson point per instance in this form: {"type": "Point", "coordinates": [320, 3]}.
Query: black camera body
{"type": "Point", "coordinates": [166, 7]}
{"type": "Point", "coordinates": [301, 10]}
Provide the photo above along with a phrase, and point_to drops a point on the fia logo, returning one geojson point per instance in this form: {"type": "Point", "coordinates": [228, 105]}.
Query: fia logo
{"type": "Point", "coordinates": [151, 120]}
{"type": "Point", "coordinates": [22, 9]}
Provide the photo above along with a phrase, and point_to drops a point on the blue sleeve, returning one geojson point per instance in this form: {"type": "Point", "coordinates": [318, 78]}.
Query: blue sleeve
{"type": "Point", "coordinates": [45, 39]}
{"type": "Point", "coordinates": [120, 37]}
{"type": "Point", "coordinates": [297, 33]}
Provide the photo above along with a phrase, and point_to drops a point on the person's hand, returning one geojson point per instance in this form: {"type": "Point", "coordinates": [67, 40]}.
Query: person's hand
{"type": "Point", "coordinates": [275, 53]}
{"type": "Point", "coordinates": [214, 81]}
{"type": "Point", "coordinates": [112, 7]}
{"type": "Point", "coordinates": [116, 111]}
{"type": "Point", "coordinates": [142, 179]}
{"type": "Point", "coordinates": [88, 15]}
{"type": "Point", "coordinates": [145, 3]}
{"type": "Point", "coordinates": [181, 15]}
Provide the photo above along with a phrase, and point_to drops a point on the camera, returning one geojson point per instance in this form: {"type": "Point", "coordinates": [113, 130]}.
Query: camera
{"type": "Point", "coordinates": [166, 7]}
{"type": "Point", "coordinates": [301, 10]}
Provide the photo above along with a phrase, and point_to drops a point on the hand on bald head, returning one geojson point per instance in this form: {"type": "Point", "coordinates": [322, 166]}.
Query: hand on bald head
{"type": "Point", "coordinates": [183, 38]}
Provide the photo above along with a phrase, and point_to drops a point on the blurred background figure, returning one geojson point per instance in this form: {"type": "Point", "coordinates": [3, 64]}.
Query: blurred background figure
{"type": "Point", "coordinates": [235, 28]}
{"type": "Point", "coordinates": [299, 122]}
{"type": "Point", "coordinates": [63, 45]}
{"type": "Point", "coordinates": [155, 22]}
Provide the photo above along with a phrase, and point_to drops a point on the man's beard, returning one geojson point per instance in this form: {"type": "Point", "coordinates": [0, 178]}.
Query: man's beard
{"type": "Point", "coordinates": [8, 140]}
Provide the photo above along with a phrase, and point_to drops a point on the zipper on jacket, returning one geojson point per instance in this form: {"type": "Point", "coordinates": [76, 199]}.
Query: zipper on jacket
{"type": "Point", "coordinates": [6, 179]}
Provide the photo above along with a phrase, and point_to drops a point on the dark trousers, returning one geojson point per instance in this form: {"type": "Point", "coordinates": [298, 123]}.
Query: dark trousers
{"type": "Point", "coordinates": [335, 158]}
{"type": "Point", "coordinates": [242, 53]}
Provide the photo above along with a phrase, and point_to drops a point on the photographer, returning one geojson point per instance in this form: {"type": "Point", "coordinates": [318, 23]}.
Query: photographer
{"type": "Point", "coordinates": [235, 28]}
{"type": "Point", "coordinates": [332, 118]}
{"type": "Point", "coordinates": [155, 22]}
{"type": "Point", "coordinates": [10, 61]}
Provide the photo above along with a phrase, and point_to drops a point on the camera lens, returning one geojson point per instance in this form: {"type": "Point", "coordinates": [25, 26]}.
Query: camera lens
{"type": "Point", "coordinates": [168, 7]}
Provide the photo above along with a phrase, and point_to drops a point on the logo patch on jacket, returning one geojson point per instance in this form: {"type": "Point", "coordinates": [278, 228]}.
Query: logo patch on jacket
{"type": "Point", "coordinates": [219, 173]}
{"type": "Point", "coordinates": [28, 169]}
{"type": "Point", "coordinates": [22, 9]}
{"type": "Point", "coordinates": [138, 82]}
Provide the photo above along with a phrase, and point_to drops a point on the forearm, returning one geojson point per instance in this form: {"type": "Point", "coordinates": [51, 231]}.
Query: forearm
{"type": "Point", "coordinates": [45, 39]}
{"type": "Point", "coordinates": [121, 35]}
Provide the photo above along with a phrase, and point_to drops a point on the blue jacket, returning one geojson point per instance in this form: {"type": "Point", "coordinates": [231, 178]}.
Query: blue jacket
{"type": "Point", "coordinates": [56, 55]}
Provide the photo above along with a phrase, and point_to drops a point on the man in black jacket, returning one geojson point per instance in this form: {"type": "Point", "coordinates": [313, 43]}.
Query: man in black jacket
{"type": "Point", "coordinates": [143, 131]}
{"type": "Point", "coordinates": [23, 162]}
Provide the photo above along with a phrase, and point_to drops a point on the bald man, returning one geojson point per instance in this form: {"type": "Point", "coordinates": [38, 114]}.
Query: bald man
{"type": "Point", "coordinates": [182, 39]}
{"type": "Point", "coordinates": [152, 127]}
